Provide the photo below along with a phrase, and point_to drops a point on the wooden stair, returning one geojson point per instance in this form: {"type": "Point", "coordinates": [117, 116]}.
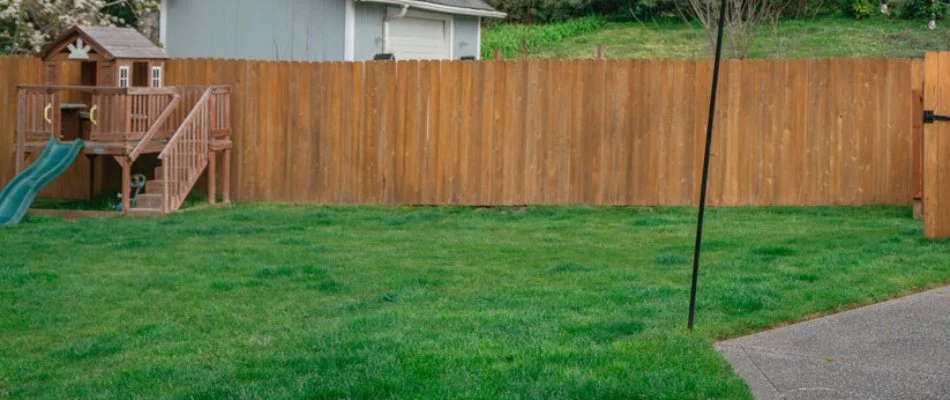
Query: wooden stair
{"type": "Point", "coordinates": [184, 158]}
{"type": "Point", "coordinates": [150, 200]}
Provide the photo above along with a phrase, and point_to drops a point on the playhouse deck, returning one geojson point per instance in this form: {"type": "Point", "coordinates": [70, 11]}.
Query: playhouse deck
{"type": "Point", "coordinates": [186, 126]}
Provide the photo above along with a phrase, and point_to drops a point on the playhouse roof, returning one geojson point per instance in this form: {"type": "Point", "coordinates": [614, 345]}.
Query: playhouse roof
{"type": "Point", "coordinates": [111, 42]}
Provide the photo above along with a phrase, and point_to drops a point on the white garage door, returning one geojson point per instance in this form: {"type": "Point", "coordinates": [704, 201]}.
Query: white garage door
{"type": "Point", "coordinates": [419, 38]}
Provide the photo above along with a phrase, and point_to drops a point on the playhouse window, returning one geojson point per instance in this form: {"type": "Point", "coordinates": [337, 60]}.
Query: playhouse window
{"type": "Point", "coordinates": [156, 76]}
{"type": "Point", "coordinates": [123, 77]}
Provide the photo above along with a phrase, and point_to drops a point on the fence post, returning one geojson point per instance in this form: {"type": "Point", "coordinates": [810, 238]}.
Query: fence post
{"type": "Point", "coordinates": [601, 52]}
{"type": "Point", "coordinates": [498, 55]}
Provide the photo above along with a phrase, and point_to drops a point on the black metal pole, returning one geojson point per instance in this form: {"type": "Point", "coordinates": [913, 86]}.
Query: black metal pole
{"type": "Point", "coordinates": [702, 192]}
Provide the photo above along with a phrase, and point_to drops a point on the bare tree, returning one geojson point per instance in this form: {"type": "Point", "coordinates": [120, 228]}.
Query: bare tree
{"type": "Point", "coordinates": [744, 19]}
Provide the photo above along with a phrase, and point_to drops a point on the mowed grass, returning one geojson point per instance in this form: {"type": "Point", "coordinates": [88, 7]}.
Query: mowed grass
{"type": "Point", "coordinates": [809, 38]}
{"type": "Point", "coordinates": [267, 301]}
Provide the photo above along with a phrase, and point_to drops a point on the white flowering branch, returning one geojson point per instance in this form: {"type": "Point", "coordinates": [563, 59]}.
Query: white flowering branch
{"type": "Point", "coordinates": [27, 25]}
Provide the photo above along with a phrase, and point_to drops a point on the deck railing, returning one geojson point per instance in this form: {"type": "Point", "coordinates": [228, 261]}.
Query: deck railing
{"type": "Point", "coordinates": [221, 112]}
{"type": "Point", "coordinates": [35, 115]}
{"type": "Point", "coordinates": [116, 114]}
{"type": "Point", "coordinates": [34, 121]}
{"type": "Point", "coordinates": [154, 124]}
{"type": "Point", "coordinates": [186, 154]}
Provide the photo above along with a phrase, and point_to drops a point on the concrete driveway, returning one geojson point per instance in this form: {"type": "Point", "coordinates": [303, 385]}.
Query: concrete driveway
{"type": "Point", "coordinates": [899, 349]}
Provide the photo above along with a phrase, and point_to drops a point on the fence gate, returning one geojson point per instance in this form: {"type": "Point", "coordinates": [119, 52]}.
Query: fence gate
{"type": "Point", "coordinates": [936, 159]}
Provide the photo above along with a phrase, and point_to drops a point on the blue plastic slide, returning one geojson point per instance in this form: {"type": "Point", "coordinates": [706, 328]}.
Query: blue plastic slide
{"type": "Point", "coordinates": [18, 195]}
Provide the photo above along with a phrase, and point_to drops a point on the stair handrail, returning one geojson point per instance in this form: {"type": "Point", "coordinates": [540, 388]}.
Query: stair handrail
{"type": "Point", "coordinates": [191, 115]}
{"type": "Point", "coordinates": [170, 201]}
{"type": "Point", "coordinates": [140, 147]}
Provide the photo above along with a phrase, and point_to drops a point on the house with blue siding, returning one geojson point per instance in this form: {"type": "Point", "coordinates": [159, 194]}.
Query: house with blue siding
{"type": "Point", "coordinates": [323, 30]}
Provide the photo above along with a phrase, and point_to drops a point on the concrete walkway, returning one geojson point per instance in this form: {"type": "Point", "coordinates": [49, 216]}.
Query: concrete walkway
{"type": "Point", "coordinates": [898, 349]}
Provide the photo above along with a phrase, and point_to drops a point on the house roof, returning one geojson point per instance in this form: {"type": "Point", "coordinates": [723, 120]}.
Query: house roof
{"type": "Point", "coordinates": [473, 4]}
{"type": "Point", "coordinates": [113, 42]}
{"type": "Point", "coordinates": [461, 7]}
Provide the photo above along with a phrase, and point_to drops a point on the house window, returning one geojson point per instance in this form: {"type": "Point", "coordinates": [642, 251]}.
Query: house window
{"type": "Point", "coordinates": [156, 76]}
{"type": "Point", "coordinates": [123, 77]}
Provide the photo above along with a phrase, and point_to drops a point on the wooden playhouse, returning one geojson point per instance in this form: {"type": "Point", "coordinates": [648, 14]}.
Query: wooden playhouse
{"type": "Point", "coordinates": [122, 110]}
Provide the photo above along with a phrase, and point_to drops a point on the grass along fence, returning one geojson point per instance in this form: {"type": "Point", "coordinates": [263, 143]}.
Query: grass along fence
{"type": "Point", "coordinates": [617, 132]}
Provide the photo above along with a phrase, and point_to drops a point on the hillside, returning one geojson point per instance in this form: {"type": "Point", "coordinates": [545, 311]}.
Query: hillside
{"type": "Point", "coordinates": [815, 38]}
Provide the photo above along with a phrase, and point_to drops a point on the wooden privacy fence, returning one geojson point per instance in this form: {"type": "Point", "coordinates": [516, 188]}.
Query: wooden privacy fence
{"type": "Point", "coordinates": [618, 132]}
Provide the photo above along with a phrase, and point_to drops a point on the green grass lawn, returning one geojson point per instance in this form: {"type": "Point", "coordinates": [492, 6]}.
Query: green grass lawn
{"type": "Point", "coordinates": [814, 38]}
{"type": "Point", "coordinates": [266, 301]}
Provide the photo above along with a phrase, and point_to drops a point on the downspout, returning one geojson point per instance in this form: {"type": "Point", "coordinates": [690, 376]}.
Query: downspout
{"type": "Point", "coordinates": [387, 20]}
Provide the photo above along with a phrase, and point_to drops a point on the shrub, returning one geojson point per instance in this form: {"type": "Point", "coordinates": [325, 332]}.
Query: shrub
{"type": "Point", "coordinates": [859, 9]}
{"type": "Point", "coordinates": [531, 11]}
{"type": "Point", "coordinates": [515, 39]}
{"type": "Point", "coordinates": [920, 9]}
{"type": "Point", "coordinates": [643, 9]}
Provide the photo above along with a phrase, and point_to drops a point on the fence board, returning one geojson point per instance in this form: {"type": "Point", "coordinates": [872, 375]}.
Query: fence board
{"type": "Point", "coordinates": [579, 171]}
{"type": "Point", "coordinates": [652, 157]}
{"type": "Point", "coordinates": [498, 132]}
{"type": "Point", "coordinates": [936, 147]}
{"type": "Point", "coordinates": [415, 129]}
{"type": "Point", "coordinates": [533, 103]}
{"type": "Point", "coordinates": [513, 134]}
{"type": "Point", "coordinates": [903, 113]}
{"type": "Point", "coordinates": [744, 135]}
{"type": "Point", "coordinates": [467, 145]}
{"type": "Point", "coordinates": [431, 81]}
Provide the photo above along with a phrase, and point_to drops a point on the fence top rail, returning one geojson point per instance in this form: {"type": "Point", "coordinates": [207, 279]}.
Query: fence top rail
{"type": "Point", "coordinates": [203, 87]}
{"type": "Point", "coordinates": [84, 89]}
{"type": "Point", "coordinates": [127, 91]}
{"type": "Point", "coordinates": [147, 91]}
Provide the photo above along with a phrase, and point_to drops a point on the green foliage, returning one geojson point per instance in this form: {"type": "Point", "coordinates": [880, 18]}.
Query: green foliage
{"type": "Point", "coordinates": [123, 14]}
{"type": "Point", "coordinates": [809, 8]}
{"type": "Point", "coordinates": [920, 9]}
{"type": "Point", "coordinates": [531, 11]}
{"type": "Point", "coordinates": [535, 11]}
{"type": "Point", "coordinates": [518, 39]}
{"type": "Point", "coordinates": [642, 9]}
{"type": "Point", "coordinates": [541, 11]}
{"type": "Point", "coordinates": [835, 36]}
{"type": "Point", "coordinates": [859, 9]}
